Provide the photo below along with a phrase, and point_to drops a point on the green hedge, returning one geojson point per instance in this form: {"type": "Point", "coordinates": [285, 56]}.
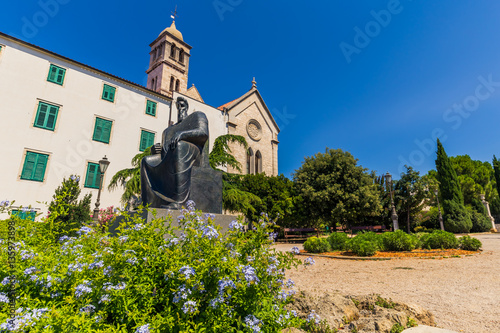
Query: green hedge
{"type": "Point", "coordinates": [316, 245]}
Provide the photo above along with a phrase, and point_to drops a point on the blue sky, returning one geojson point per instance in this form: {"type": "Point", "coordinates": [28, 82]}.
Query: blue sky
{"type": "Point", "coordinates": [380, 79]}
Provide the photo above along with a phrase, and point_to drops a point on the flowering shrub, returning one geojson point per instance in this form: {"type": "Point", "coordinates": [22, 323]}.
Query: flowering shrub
{"type": "Point", "coordinates": [106, 216]}
{"type": "Point", "coordinates": [152, 277]}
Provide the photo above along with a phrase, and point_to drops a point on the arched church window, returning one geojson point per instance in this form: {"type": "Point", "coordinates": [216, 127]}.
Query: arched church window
{"type": "Point", "coordinates": [181, 56]}
{"type": "Point", "coordinates": [249, 160]}
{"type": "Point", "coordinates": [177, 85]}
{"type": "Point", "coordinates": [172, 82]}
{"type": "Point", "coordinates": [258, 162]}
{"type": "Point", "coordinates": [153, 83]}
{"type": "Point", "coordinates": [172, 51]}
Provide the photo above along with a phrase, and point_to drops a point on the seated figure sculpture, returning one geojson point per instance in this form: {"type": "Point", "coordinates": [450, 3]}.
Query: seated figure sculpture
{"type": "Point", "coordinates": [166, 175]}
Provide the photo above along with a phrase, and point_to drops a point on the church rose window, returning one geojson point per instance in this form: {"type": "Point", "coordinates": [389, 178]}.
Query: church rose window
{"type": "Point", "coordinates": [254, 130]}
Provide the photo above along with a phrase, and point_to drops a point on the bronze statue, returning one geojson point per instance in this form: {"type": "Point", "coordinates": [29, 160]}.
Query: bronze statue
{"type": "Point", "coordinates": [167, 175]}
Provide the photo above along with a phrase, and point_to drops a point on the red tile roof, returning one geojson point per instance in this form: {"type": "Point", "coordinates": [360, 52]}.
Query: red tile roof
{"type": "Point", "coordinates": [226, 105]}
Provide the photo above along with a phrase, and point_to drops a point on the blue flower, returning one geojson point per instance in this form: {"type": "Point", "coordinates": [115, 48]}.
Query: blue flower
{"type": "Point", "coordinates": [105, 298]}
{"type": "Point", "coordinates": [235, 225]}
{"type": "Point", "coordinates": [4, 298]}
{"type": "Point", "coordinates": [30, 270]}
{"type": "Point", "coordinates": [107, 271]}
{"type": "Point", "coordinates": [123, 239]}
{"type": "Point", "coordinates": [252, 322]}
{"type": "Point", "coordinates": [249, 273]}
{"type": "Point", "coordinates": [83, 288]}
{"type": "Point", "coordinates": [210, 232]}
{"type": "Point", "coordinates": [295, 250]}
{"type": "Point", "coordinates": [309, 261]}
{"type": "Point", "coordinates": [189, 307]}
{"type": "Point", "coordinates": [182, 293]}
{"type": "Point", "coordinates": [138, 226]}
{"type": "Point", "coordinates": [190, 205]}
{"type": "Point", "coordinates": [98, 264]}
{"type": "Point", "coordinates": [313, 316]}
{"type": "Point", "coordinates": [25, 255]}
{"type": "Point", "coordinates": [84, 230]}
{"type": "Point", "coordinates": [5, 203]}
{"type": "Point", "coordinates": [143, 329]}
{"type": "Point", "coordinates": [226, 283]}
{"type": "Point", "coordinates": [187, 271]}
{"type": "Point", "coordinates": [88, 309]}
{"type": "Point", "coordinates": [132, 261]}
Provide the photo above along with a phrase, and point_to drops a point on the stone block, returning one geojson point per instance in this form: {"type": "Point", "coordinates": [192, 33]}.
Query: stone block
{"type": "Point", "coordinates": [220, 219]}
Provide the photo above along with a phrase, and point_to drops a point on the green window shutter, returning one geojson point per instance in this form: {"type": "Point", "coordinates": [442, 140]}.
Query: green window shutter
{"type": "Point", "coordinates": [93, 175]}
{"type": "Point", "coordinates": [102, 130]}
{"type": "Point", "coordinates": [151, 108]}
{"type": "Point", "coordinates": [147, 140]}
{"type": "Point", "coordinates": [29, 165]}
{"type": "Point", "coordinates": [41, 114]}
{"type": "Point", "coordinates": [56, 74]}
{"type": "Point", "coordinates": [34, 166]}
{"type": "Point", "coordinates": [46, 116]}
{"type": "Point", "coordinates": [41, 164]}
{"type": "Point", "coordinates": [108, 93]}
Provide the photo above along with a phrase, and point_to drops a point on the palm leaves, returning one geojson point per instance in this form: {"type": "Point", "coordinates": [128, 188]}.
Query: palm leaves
{"type": "Point", "coordinates": [130, 178]}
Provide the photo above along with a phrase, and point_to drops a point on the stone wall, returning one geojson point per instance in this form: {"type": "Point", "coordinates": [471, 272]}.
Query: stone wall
{"type": "Point", "coordinates": [245, 120]}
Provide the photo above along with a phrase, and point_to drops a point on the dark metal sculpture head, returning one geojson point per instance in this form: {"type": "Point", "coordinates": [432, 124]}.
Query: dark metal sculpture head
{"type": "Point", "coordinates": [182, 108]}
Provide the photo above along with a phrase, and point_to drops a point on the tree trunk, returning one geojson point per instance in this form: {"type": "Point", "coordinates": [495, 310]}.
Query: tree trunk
{"type": "Point", "coordinates": [408, 219]}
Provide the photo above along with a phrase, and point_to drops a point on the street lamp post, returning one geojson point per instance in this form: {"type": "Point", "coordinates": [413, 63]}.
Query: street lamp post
{"type": "Point", "coordinates": [394, 215]}
{"type": "Point", "coordinates": [439, 209]}
{"type": "Point", "coordinates": [103, 166]}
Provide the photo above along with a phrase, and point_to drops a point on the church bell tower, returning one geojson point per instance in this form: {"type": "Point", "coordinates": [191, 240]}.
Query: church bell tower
{"type": "Point", "coordinates": [169, 62]}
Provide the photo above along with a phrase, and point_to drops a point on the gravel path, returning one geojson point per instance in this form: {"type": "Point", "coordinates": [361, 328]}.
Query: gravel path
{"type": "Point", "coordinates": [462, 293]}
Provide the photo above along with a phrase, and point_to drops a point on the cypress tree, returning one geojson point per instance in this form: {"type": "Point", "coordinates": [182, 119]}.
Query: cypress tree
{"type": "Point", "coordinates": [496, 168]}
{"type": "Point", "coordinates": [456, 218]}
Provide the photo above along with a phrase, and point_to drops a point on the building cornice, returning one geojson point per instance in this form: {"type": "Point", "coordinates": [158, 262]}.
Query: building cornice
{"type": "Point", "coordinates": [83, 66]}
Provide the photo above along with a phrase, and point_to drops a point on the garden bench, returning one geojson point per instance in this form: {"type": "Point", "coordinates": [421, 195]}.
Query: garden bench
{"type": "Point", "coordinates": [299, 232]}
{"type": "Point", "coordinates": [374, 228]}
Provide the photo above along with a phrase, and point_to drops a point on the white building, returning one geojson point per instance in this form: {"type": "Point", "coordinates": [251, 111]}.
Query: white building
{"type": "Point", "coordinates": [59, 117]}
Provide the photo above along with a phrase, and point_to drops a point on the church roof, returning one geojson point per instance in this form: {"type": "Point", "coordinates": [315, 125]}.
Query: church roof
{"type": "Point", "coordinates": [227, 105]}
{"type": "Point", "coordinates": [195, 94]}
{"type": "Point", "coordinates": [173, 31]}
{"type": "Point", "coordinates": [237, 101]}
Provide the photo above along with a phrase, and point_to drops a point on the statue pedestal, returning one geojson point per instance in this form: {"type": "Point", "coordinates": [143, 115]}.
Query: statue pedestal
{"type": "Point", "coordinates": [146, 216]}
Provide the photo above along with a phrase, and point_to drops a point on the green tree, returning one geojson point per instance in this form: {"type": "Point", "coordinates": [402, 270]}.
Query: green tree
{"type": "Point", "coordinates": [221, 156]}
{"type": "Point", "coordinates": [410, 194]}
{"type": "Point", "coordinates": [66, 213]}
{"type": "Point", "coordinates": [335, 190]}
{"type": "Point", "coordinates": [276, 195]}
{"type": "Point", "coordinates": [456, 218]}
{"type": "Point", "coordinates": [235, 199]}
{"type": "Point", "coordinates": [475, 178]}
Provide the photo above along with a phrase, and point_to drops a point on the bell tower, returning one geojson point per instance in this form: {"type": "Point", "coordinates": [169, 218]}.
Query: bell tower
{"type": "Point", "coordinates": [169, 62]}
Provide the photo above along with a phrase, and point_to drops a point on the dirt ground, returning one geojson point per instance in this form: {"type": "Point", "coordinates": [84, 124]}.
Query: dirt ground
{"type": "Point", "coordinates": [462, 293]}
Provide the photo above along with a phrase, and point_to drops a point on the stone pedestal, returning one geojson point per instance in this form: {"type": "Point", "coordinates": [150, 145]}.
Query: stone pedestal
{"type": "Point", "coordinates": [147, 216]}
